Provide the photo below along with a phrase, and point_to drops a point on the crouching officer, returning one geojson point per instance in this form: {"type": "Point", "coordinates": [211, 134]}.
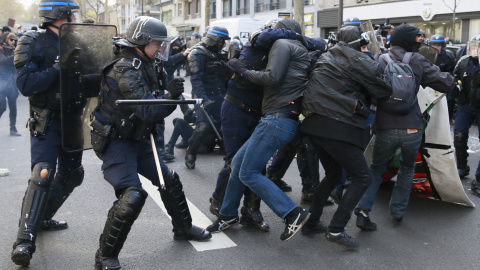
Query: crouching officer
{"type": "Point", "coordinates": [120, 136]}
{"type": "Point", "coordinates": [38, 78]}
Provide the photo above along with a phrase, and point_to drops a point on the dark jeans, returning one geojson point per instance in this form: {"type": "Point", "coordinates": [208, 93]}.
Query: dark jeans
{"type": "Point", "coordinates": [9, 97]}
{"type": "Point", "coordinates": [335, 155]}
{"type": "Point", "coordinates": [181, 128]}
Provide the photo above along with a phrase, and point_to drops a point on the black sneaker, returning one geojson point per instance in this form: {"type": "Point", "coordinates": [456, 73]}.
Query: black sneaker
{"type": "Point", "coordinates": [342, 239]}
{"type": "Point", "coordinates": [294, 222]}
{"type": "Point", "coordinates": [319, 227]}
{"type": "Point", "coordinates": [53, 225]}
{"type": "Point", "coordinates": [397, 220]}
{"type": "Point", "coordinates": [223, 223]}
{"type": "Point", "coordinates": [281, 184]}
{"type": "Point", "coordinates": [364, 223]}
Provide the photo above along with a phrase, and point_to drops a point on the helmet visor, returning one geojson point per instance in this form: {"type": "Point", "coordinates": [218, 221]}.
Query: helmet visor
{"type": "Point", "coordinates": [473, 48]}
{"type": "Point", "coordinates": [164, 53]}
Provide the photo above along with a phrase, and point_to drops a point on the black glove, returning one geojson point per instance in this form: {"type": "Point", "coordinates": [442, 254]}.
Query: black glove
{"type": "Point", "coordinates": [175, 88]}
{"type": "Point", "coordinates": [223, 69]}
{"type": "Point", "coordinates": [237, 66]}
{"type": "Point", "coordinates": [207, 103]}
{"type": "Point", "coordinates": [189, 116]}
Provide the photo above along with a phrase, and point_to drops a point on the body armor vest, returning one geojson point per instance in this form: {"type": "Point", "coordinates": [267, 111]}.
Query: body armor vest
{"type": "Point", "coordinates": [122, 118]}
{"type": "Point", "coordinates": [49, 99]}
{"type": "Point", "coordinates": [213, 84]}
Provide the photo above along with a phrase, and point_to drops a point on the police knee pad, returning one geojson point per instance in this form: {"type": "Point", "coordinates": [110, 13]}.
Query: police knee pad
{"type": "Point", "coordinates": [172, 182]}
{"type": "Point", "coordinates": [74, 178]}
{"type": "Point", "coordinates": [129, 204]}
{"type": "Point", "coordinates": [42, 174]}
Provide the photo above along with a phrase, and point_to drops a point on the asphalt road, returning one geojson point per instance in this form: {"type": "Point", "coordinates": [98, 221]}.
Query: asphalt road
{"type": "Point", "coordinates": [433, 234]}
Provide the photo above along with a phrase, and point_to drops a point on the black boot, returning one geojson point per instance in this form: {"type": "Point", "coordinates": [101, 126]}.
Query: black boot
{"type": "Point", "coordinates": [251, 215]}
{"type": "Point", "coordinates": [168, 156]}
{"type": "Point", "coordinates": [215, 207]}
{"type": "Point", "coordinates": [364, 222]}
{"type": "Point", "coordinates": [460, 141]}
{"type": "Point", "coordinates": [196, 140]}
{"type": "Point", "coordinates": [281, 184]}
{"type": "Point", "coordinates": [34, 205]}
{"type": "Point", "coordinates": [120, 219]}
{"type": "Point", "coordinates": [177, 207]}
{"type": "Point", "coordinates": [476, 187]}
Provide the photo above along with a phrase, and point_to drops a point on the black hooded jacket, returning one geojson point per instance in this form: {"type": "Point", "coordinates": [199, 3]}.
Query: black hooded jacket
{"type": "Point", "coordinates": [336, 102]}
{"type": "Point", "coordinates": [426, 74]}
{"type": "Point", "coordinates": [286, 75]}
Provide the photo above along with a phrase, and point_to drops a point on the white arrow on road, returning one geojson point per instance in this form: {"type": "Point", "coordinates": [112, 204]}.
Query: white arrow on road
{"type": "Point", "coordinates": [219, 240]}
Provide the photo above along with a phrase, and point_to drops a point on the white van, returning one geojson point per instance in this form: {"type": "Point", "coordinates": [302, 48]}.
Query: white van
{"type": "Point", "coordinates": [240, 27]}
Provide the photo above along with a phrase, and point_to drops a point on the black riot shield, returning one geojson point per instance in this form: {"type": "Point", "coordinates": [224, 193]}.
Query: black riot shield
{"type": "Point", "coordinates": [84, 50]}
{"type": "Point", "coordinates": [429, 52]}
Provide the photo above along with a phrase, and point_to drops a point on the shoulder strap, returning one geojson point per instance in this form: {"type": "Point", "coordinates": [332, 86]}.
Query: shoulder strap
{"type": "Point", "coordinates": [388, 58]}
{"type": "Point", "coordinates": [406, 57]}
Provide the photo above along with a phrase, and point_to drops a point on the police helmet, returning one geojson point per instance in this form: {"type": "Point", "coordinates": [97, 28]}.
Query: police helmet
{"type": "Point", "coordinates": [216, 35]}
{"type": "Point", "coordinates": [237, 44]}
{"type": "Point", "coordinates": [196, 35]}
{"type": "Point", "coordinates": [438, 39]}
{"type": "Point", "coordinates": [352, 21]}
{"type": "Point", "coordinates": [476, 37]}
{"type": "Point", "coordinates": [144, 29]}
{"type": "Point", "coordinates": [50, 11]}
{"type": "Point", "coordinates": [270, 24]}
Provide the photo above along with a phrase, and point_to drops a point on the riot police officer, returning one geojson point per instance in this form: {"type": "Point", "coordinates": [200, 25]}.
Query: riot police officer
{"type": "Point", "coordinates": [206, 84]}
{"type": "Point", "coordinates": [119, 138]}
{"type": "Point", "coordinates": [38, 78]}
{"type": "Point", "coordinates": [446, 62]}
{"type": "Point", "coordinates": [468, 99]}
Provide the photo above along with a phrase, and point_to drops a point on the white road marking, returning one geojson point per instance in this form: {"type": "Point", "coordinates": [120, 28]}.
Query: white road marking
{"type": "Point", "coordinates": [219, 240]}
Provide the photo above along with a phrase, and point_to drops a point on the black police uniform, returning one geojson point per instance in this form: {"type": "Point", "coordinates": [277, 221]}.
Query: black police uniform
{"type": "Point", "coordinates": [120, 139]}
{"type": "Point", "coordinates": [49, 185]}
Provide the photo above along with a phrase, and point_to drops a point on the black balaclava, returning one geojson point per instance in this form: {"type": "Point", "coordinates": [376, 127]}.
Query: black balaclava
{"type": "Point", "coordinates": [404, 36]}
{"type": "Point", "coordinates": [348, 34]}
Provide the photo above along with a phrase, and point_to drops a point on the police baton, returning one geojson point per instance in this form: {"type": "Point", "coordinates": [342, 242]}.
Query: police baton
{"type": "Point", "coordinates": [211, 123]}
{"type": "Point", "coordinates": [158, 101]}
{"type": "Point", "coordinates": [157, 162]}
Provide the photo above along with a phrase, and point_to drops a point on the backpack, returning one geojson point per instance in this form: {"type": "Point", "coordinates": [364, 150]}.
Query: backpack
{"type": "Point", "coordinates": [404, 94]}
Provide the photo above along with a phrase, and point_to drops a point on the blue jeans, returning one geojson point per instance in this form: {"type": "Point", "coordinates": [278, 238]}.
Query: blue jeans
{"type": "Point", "coordinates": [386, 143]}
{"type": "Point", "coordinates": [271, 133]}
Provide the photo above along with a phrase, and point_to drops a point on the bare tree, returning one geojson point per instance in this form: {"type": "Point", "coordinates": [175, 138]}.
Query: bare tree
{"type": "Point", "coordinates": [298, 13]}
{"type": "Point", "coordinates": [456, 3]}
{"type": "Point", "coordinates": [98, 6]}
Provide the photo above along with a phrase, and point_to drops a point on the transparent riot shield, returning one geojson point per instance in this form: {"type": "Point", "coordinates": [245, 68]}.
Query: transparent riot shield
{"type": "Point", "coordinates": [473, 48]}
{"type": "Point", "coordinates": [428, 52]}
{"type": "Point", "coordinates": [373, 45]}
{"type": "Point", "coordinates": [84, 50]}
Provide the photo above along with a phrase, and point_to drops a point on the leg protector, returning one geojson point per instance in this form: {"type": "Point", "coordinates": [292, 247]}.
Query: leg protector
{"type": "Point", "coordinates": [176, 204]}
{"type": "Point", "coordinates": [62, 187]}
{"type": "Point", "coordinates": [460, 141]}
{"type": "Point", "coordinates": [120, 219]}
{"type": "Point", "coordinates": [221, 188]}
{"type": "Point", "coordinates": [34, 205]}
{"type": "Point", "coordinates": [251, 215]}
{"type": "Point", "coordinates": [281, 161]}
{"type": "Point", "coordinates": [196, 140]}
{"type": "Point", "coordinates": [174, 200]}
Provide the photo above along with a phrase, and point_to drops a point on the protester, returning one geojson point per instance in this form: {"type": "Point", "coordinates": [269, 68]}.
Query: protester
{"type": "Point", "coordinates": [8, 89]}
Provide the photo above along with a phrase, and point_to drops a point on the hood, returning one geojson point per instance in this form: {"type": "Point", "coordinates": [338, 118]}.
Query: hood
{"type": "Point", "coordinates": [289, 24]}
{"type": "Point", "coordinates": [350, 33]}
{"type": "Point", "coordinates": [315, 44]}
{"type": "Point", "coordinates": [404, 36]}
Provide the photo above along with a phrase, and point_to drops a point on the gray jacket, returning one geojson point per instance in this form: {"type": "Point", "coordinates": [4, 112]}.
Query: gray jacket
{"type": "Point", "coordinates": [286, 75]}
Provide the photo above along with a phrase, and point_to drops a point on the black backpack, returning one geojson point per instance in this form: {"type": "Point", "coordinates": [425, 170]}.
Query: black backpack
{"type": "Point", "coordinates": [404, 94]}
